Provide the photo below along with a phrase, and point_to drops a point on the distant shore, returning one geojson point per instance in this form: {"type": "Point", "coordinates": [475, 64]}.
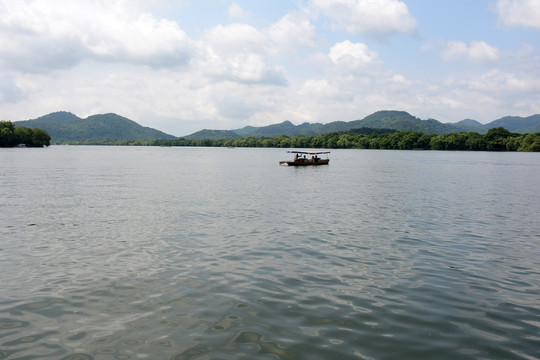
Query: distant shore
{"type": "Point", "coordinates": [496, 139]}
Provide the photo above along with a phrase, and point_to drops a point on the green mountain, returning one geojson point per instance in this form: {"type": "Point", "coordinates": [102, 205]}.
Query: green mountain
{"type": "Point", "coordinates": [213, 135]}
{"type": "Point", "coordinates": [470, 125]}
{"type": "Point", "coordinates": [338, 126]}
{"type": "Point", "coordinates": [533, 129]}
{"type": "Point", "coordinates": [403, 121]}
{"type": "Point", "coordinates": [383, 120]}
{"type": "Point", "coordinates": [64, 127]}
{"type": "Point", "coordinates": [388, 120]}
{"type": "Point", "coordinates": [516, 123]}
{"type": "Point", "coordinates": [285, 127]}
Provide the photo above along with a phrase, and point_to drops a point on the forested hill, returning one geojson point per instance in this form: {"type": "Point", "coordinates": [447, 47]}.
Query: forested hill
{"type": "Point", "coordinates": [403, 121]}
{"type": "Point", "coordinates": [387, 119]}
{"type": "Point", "coordinates": [64, 127]}
{"type": "Point", "coordinates": [518, 124]}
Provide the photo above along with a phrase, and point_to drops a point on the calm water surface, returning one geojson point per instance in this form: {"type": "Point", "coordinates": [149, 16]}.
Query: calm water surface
{"type": "Point", "coordinates": [202, 253]}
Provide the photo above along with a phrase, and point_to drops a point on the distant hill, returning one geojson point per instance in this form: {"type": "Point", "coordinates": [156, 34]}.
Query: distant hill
{"type": "Point", "coordinates": [470, 125]}
{"type": "Point", "coordinates": [213, 135]}
{"type": "Point", "coordinates": [285, 127]}
{"type": "Point", "coordinates": [64, 127]}
{"type": "Point", "coordinates": [533, 129]}
{"type": "Point", "coordinates": [386, 119]}
{"type": "Point", "coordinates": [369, 131]}
{"type": "Point", "coordinates": [403, 121]}
{"type": "Point", "coordinates": [516, 123]}
{"type": "Point", "coordinates": [338, 126]}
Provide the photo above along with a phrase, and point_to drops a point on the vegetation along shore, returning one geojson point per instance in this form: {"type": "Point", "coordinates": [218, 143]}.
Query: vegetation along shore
{"type": "Point", "coordinates": [12, 136]}
{"type": "Point", "coordinates": [385, 129]}
{"type": "Point", "coordinates": [496, 139]}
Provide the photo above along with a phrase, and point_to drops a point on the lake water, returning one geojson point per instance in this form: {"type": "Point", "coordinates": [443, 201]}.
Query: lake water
{"type": "Point", "coordinates": [205, 253]}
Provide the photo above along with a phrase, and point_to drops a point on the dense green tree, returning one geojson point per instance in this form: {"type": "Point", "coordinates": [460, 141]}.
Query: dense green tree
{"type": "Point", "coordinates": [423, 141]}
{"type": "Point", "coordinates": [437, 143]}
{"type": "Point", "coordinates": [301, 141]}
{"type": "Point", "coordinates": [498, 139]}
{"type": "Point", "coordinates": [7, 138]}
{"type": "Point", "coordinates": [14, 135]}
{"type": "Point", "coordinates": [23, 135]}
{"type": "Point", "coordinates": [513, 143]}
{"type": "Point", "coordinates": [375, 143]}
{"type": "Point", "coordinates": [362, 142]}
{"type": "Point", "coordinates": [451, 141]}
{"type": "Point", "coordinates": [283, 141]}
{"type": "Point", "coordinates": [536, 145]}
{"type": "Point", "coordinates": [344, 141]}
{"type": "Point", "coordinates": [330, 140]}
{"type": "Point", "coordinates": [409, 140]}
{"type": "Point", "coordinates": [475, 142]}
{"type": "Point", "coordinates": [40, 138]}
{"type": "Point", "coordinates": [530, 142]}
{"type": "Point", "coordinates": [317, 142]}
{"type": "Point", "coordinates": [497, 132]}
{"type": "Point", "coordinates": [7, 125]}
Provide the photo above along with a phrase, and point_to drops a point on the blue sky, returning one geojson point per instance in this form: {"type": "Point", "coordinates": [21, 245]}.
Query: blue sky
{"type": "Point", "coordinates": [182, 66]}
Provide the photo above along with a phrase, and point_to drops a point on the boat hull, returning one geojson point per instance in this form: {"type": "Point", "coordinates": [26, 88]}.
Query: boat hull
{"type": "Point", "coordinates": [308, 162]}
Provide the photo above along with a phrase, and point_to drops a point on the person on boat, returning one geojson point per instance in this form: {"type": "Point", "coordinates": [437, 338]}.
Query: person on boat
{"type": "Point", "coordinates": [296, 157]}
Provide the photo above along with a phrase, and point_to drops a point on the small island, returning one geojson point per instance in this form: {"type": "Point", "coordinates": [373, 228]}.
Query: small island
{"type": "Point", "coordinates": [13, 136]}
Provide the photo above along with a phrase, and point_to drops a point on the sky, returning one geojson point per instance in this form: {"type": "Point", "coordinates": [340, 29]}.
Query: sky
{"type": "Point", "coordinates": [180, 66]}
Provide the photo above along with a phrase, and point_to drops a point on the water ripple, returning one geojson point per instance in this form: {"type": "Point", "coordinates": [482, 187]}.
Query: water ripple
{"type": "Point", "coordinates": [129, 253]}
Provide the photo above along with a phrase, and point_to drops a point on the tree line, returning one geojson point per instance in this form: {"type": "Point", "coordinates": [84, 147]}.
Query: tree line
{"type": "Point", "coordinates": [496, 139]}
{"type": "Point", "coordinates": [11, 136]}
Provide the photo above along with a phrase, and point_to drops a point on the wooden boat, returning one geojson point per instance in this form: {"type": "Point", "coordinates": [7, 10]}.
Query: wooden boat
{"type": "Point", "coordinates": [305, 158]}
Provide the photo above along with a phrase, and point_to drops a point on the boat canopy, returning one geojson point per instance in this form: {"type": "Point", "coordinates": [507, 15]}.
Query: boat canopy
{"type": "Point", "coordinates": [309, 152]}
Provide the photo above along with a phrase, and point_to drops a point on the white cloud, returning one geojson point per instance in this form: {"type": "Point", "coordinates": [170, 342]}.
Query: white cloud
{"type": "Point", "coordinates": [351, 55]}
{"type": "Point", "coordinates": [43, 35]}
{"type": "Point", "coordinates": [235, 38]}
{"type": "Point", "coordinates": [236, 12]}
{"type": "Point", "coordinates": [319, 88]}
{"type": "Point", "coordinates": [97, 56]}
{"type": "Point", "coordinates": [477, 51]}
{"type": "Point", "coordinates": [519, 13]}
{"type": "Point", "coordinates": [399, 79]}
{"type": "Point", "coordinates": [375, 18]}
{"type": "Point", "coordinates": [237, 53]}
{"type": "Point", "coordinates": [10, 91]}
{"type": "Point", "coordinates": [143, 40]}
{"type": "Point", "coordinates": [292, 30]}
{"type": "Point", "coordinates": [232, 102]}
{"type": "Point", "coordinates": [247, 68]}
{"type": "Point", "coordinates": [484, 97]}
{"type": "Point", "coordinates": [507, 82]}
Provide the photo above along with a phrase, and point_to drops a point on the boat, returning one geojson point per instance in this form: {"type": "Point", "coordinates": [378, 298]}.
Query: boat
{"type": "Point", "coordinates": [305, 158]}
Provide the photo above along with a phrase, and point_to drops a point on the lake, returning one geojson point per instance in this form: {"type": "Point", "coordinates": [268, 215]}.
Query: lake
{"type": "Point", "coordinates": [213, 253]}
